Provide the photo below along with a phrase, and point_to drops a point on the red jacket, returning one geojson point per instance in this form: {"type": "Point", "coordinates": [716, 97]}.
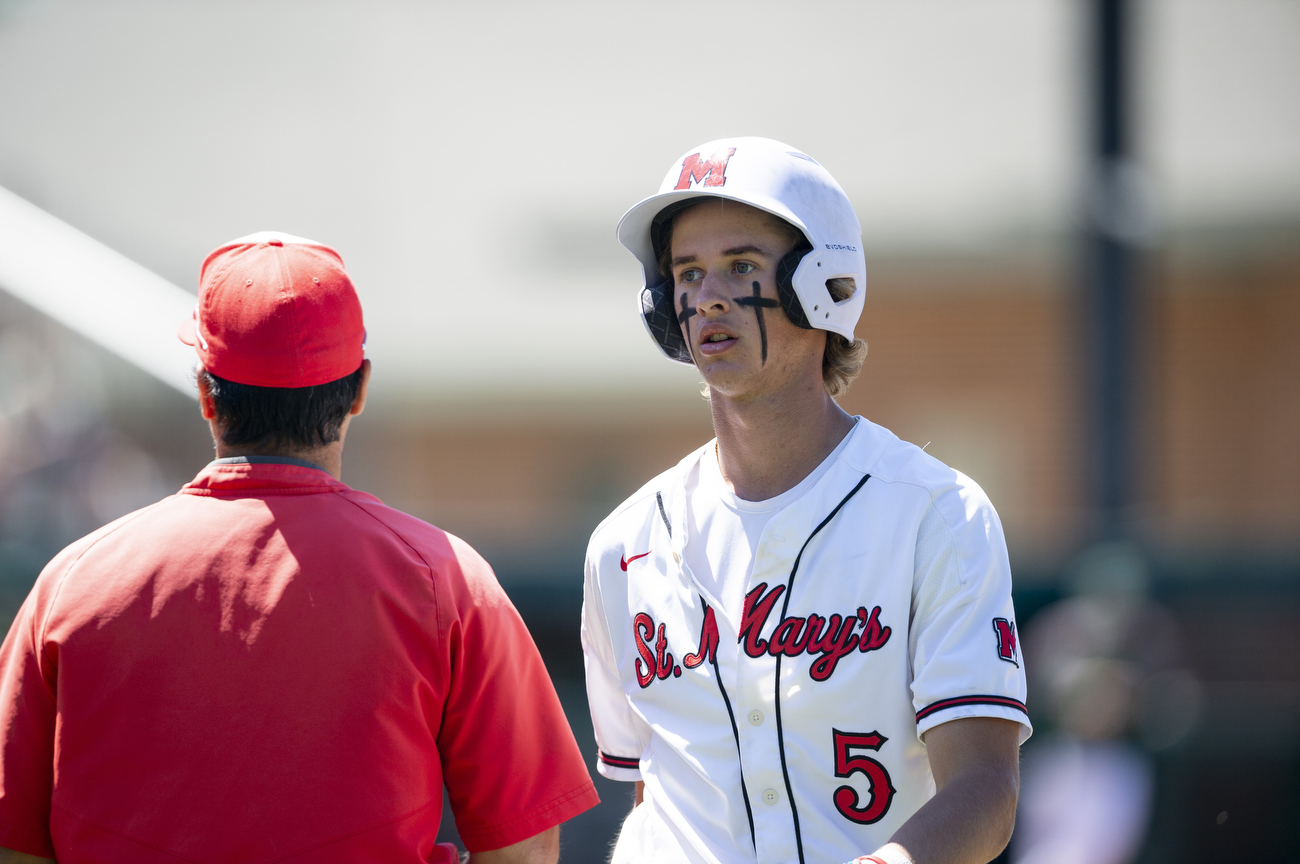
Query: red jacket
{"type": "Point", "coordinates": [270, 666]}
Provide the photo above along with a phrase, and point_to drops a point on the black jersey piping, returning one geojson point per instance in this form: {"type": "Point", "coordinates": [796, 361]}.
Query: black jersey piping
{"type": "Point", "coordinates": [735, 731]}
{"type": "Point", "coordinates": [619, 761]}
{"type": "Point", "coordinates": [659, 496]}
{"type": "Point", "coordinates": [785, 607]}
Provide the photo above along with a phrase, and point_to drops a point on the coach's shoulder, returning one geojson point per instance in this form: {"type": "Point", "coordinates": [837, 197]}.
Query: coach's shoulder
{"type": "Point", "coordinates": [429, 541]}
{"type": "Point", "coordinates": [443, 552]}
{"type": "Point", "coordinates": [124, 528]}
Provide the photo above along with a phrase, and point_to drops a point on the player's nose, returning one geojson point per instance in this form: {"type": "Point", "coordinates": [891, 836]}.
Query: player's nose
{"type": "Point", "coordinates": [713, 295]}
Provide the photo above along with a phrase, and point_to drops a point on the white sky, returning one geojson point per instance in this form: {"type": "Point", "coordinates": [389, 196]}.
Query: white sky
{"type": "Point", "coordinates": [470, 161]}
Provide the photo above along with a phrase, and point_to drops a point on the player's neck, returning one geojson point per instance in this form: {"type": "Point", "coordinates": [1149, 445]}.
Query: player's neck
{"type": "Point", "coordinates": [767, 446]}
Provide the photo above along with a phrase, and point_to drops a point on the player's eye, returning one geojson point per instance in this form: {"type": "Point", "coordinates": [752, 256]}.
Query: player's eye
{"type": "Point", "coordinates": [744, 267]}
{"type": "Point", "coordinates": [691, 274]}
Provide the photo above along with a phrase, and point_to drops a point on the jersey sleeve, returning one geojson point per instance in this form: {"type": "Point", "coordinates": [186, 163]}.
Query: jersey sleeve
{"type": "Point", "coordinates": [510, 762]}
{"type": "Point", "coordinates": [28, 677]}
{"type": "Point", "coordinates": [965, 656]}
{"type": "Point", "coordinates": [621, 735]}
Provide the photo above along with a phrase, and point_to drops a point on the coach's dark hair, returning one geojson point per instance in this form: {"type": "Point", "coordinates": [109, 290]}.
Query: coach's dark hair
{"type": "Point", "coordinates": [271, 418]}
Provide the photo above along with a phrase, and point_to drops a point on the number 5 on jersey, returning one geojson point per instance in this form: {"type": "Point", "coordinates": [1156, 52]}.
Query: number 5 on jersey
{"type": "Point", "coordinates": [847, 764]}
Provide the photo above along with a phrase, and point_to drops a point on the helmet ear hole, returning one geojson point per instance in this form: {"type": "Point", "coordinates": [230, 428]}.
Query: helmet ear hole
{"type": "Point", "coordinates": [785, 285]}
{"type": "Point", "coordinates": [841, 288]}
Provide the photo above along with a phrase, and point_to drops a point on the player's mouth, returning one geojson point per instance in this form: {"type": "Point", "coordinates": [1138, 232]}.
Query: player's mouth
{"type": "Point", "coordinates": [715, 340]}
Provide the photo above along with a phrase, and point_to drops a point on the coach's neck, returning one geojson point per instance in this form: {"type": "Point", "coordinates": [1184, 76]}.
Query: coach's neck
{"type": "Point", "coordinates": [328, 457]}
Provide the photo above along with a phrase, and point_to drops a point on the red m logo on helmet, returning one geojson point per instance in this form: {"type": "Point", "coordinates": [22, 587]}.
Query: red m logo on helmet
{"type": "Point", "coordinates": [710, 173]}
{"type": "Point", "coordinates": [1006, 631]}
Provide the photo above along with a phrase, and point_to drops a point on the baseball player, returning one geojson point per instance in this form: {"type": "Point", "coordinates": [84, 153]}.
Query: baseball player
{"type": "Point", "coordinates": [268, 665]}
{"type": "Point", "coordinates": [800, 641]}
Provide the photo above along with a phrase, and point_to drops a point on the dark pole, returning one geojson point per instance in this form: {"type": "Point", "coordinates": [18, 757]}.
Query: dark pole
{"type": "Point", "coordinates": [1110, 275]}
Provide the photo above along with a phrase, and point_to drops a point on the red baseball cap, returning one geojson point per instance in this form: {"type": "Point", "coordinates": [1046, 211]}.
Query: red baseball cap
{"type": "Point", "coordinates": [276, 311]}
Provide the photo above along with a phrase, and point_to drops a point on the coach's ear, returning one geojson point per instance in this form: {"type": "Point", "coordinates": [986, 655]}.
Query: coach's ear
{"type": "Point", "coordinates": [359, 403]}
{"type": "Point", "coordinates": [207, 407]}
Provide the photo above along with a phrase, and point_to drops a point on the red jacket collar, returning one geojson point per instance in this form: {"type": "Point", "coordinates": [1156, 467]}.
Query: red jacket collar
{"type": "Point", "coordinates": [219, 478]}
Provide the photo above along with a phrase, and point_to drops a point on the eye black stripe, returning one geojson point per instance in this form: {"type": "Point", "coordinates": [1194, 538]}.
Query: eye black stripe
{"type": "Point", "coordinates": [758, 303]}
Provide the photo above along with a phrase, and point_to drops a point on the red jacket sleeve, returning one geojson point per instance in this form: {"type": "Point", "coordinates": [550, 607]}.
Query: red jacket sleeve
{"type": "Point", "coordinates": [27, 713]}
{"type": "Point", "coordinates": [510, 762]}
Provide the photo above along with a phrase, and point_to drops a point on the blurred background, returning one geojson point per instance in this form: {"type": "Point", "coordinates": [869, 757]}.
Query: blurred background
{"type": "Point", "coordinates": [1082, 226]}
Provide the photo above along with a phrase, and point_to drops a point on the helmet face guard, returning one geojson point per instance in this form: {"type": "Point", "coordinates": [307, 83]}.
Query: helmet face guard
{"type": "Point", "coordinates": [769, 176]}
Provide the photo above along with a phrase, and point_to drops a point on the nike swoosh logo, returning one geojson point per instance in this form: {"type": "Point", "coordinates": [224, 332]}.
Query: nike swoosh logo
{"type": "Point", "coordinates": [624, 564]}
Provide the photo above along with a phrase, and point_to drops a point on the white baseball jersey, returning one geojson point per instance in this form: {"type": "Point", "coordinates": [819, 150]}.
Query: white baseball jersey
{"type": "Point", "coordinates": [788, 730]}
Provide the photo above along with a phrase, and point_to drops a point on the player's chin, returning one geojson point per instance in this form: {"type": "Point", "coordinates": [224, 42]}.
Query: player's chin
{"type": "Point", "coordinates": [727, 378]}
{"type": "Point", "coordinates": [725, 364]}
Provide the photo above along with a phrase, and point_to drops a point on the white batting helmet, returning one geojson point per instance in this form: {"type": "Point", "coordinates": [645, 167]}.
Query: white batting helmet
{"type": "Point", "coordinates": [783, 181]}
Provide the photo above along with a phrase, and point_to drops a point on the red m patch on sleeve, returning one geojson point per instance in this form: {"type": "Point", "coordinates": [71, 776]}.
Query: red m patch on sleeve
{"type": "Point", "coordinates": [1007, 649]}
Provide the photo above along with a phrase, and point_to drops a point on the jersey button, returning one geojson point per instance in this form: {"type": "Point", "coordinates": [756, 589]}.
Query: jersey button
{"type": "Point", "coordinates": [769, 796]}
{"type": "Point", "coordinates": [756, 717]}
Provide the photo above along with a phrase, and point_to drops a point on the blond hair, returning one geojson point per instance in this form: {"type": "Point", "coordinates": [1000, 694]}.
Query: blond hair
{"type": "Point", "coordinates": [842, 360]}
